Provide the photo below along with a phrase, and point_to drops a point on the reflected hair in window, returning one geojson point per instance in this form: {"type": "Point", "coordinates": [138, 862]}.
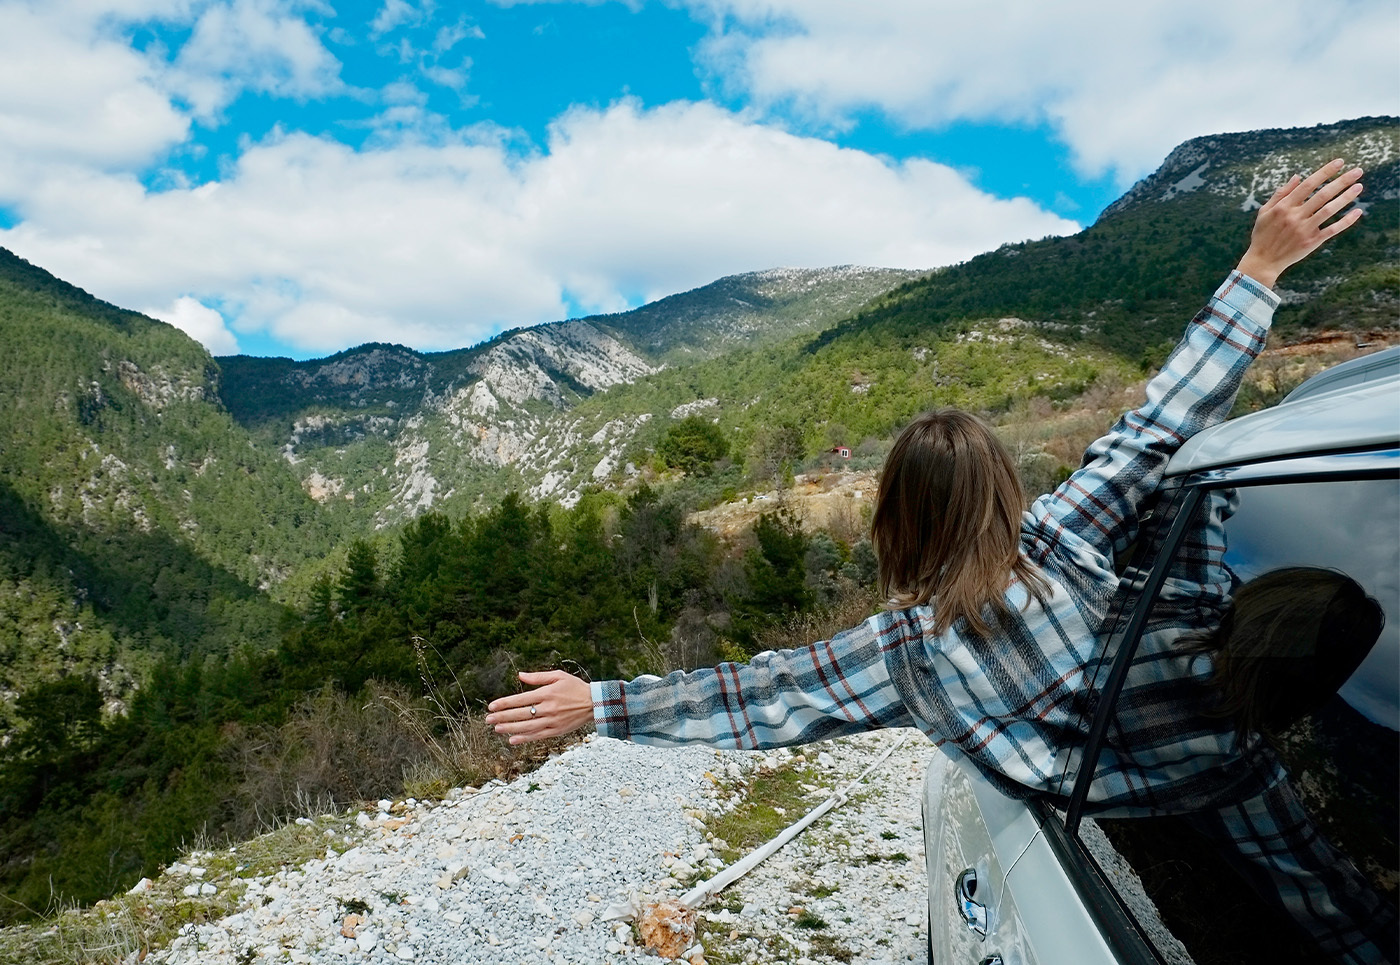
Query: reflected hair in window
{"type": "Point", "coordinates": [1289, 640]}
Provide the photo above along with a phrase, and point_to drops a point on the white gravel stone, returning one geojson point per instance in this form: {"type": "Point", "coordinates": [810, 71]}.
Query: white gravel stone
{"type": "Point", "coordinates": [535, 896]}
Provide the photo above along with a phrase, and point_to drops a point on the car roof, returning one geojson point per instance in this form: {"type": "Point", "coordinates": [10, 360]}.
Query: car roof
{"type": "Point", "coordinates": [1355, 405]}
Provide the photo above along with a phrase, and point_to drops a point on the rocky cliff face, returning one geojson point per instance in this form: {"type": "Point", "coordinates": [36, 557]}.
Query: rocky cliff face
{"type": "Point", "coordinates": [1246, 168]}
{"type": "Point", "coordinates": [544, 363]}
{"type": "Point", "coordinates": [400, 431]}
{"type": "Point", "coordinates": [503, 418]}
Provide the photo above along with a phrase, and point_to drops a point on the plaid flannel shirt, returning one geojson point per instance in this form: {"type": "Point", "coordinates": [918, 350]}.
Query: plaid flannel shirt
{"type": "Point", "coordinates": [1018, 703]}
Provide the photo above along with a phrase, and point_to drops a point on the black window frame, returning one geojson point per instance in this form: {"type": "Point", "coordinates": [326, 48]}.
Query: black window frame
{"type": "Point", "coordinates": [1149, 562]}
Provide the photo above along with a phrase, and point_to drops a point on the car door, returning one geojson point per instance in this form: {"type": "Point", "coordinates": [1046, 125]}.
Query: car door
{"type": "Point", "coordinates": [1339, 511]}
{"type": "Point", "coordinates": [969, 826]}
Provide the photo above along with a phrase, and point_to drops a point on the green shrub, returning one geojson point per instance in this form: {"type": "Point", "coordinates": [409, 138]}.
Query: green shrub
{"type": "Point", "coordinates": [693, 445]}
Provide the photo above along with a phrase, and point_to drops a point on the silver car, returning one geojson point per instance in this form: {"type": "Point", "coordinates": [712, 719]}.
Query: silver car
{"type": "Point", "coordinates": [1019, 882]}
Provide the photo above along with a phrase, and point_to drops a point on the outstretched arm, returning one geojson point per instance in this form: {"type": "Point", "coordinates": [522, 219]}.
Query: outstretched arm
{"type": "Point", "coordinates": [1100, 503]}
{"type": "Point", "coordinates": [779, 699]}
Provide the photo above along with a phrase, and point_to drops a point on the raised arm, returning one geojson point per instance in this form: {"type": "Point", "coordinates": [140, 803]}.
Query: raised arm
{"type": "Point", "coordinates": [1101, 502]}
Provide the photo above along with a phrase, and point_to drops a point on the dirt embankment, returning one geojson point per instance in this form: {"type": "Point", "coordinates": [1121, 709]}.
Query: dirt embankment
{"type": "Point", "coordinates": [838, 502]}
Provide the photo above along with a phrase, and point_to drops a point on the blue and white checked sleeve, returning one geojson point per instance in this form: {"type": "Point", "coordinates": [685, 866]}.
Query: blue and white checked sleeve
{"type": "Point", "coordinates": [1099, 504]}
{"type": "Point", "coordinates": [779, 698]}
{"type": "Point", "coordinates": [1199, 578]}
{"type": "Point", "coordinates": [1271, 840]}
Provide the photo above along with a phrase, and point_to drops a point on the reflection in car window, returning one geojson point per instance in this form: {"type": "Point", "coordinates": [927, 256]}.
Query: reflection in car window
{"type": "Point", "coordinates": [1351, 527]}
{"type": "Point", "coordinates": [1160, 753]}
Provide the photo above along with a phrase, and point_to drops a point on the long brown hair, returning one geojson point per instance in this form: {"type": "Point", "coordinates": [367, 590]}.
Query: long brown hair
{"type": "Point", "coordinates": [1289, 640]}
{"type": "Point", "coordinates": [947, 522]}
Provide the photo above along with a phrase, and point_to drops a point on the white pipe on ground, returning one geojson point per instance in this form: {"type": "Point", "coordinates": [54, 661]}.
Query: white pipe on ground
{"type": "Point", "coordinates": [696, 895]}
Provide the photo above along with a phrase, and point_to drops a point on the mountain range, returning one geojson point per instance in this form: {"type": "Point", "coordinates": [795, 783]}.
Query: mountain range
{"type": "Point", "coordinates": [448, 426]}
{"type": "Point", "coordinates": [156, 500]}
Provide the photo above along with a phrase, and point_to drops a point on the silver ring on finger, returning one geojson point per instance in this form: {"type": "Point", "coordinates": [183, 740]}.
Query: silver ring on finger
{"type": "Point", "coordinates": [533, 710]}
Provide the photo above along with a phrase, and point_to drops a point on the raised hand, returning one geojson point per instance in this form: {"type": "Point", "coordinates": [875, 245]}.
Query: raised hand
{"type": "Point", "coordinates": [560, 703]}
{"type": "Point", "coordinates": [1295, 221]}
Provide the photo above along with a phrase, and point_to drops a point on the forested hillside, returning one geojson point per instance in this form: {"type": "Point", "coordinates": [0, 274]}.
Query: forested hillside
{"type": "Point", "coordinates": [1128, 281]}
{"type": "Point", "coordinates": [136, 518]}
{"type": "Point", "coordinates": [387, 433]}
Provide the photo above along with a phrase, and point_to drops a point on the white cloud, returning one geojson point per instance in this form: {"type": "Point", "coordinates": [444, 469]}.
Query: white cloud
{"type": "Point", "coordinates": [456, 79]}
{"type": "Point", "coordinates": [637, 201]}
{"type": "Point", "coordinates": [108, 113]}
{"type": "Point", "coordinates": [438, 244]}
{"type": "Point", "coordinates": [73, 91]}
{"type": "Point", "coordinates": [398, 13]}
{"type": "Point", "coordinates": [1122, 83]}
{"type": "Point", "coordinates": [202, 323]}
{"type": "Point", "coordinates": [448, 37]}
{"type": "Point", "coordinates": [263, 46]}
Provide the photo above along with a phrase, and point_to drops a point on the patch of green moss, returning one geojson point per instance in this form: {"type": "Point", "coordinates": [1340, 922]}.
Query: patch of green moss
{"type": "Point", "coordinates": [831, 947]}
{"type": "Point", "coordinates": [772, 801]}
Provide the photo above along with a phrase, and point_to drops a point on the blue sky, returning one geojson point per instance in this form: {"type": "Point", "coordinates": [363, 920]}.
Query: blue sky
{"type": "Point", "coordinates": [296, 176]}
{"type": "Point", "coordinates": [530, 63]}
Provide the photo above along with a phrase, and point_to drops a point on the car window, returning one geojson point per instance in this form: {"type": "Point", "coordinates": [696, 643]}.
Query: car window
{"type": "Point", "coordinates": [1169, 737]}
{"type": "Point", "coordinates": [1352, 527]}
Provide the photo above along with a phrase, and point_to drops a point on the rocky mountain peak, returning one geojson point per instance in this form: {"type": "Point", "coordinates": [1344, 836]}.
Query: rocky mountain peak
{"type": "Point", "coordinates": [540, 363]}
{"type": "Point", "coordinates": [372, 366]}
{"type": "Point", "coordinates": [1247, 167]}
{"type": "Point", "coordinates": [750, 308]}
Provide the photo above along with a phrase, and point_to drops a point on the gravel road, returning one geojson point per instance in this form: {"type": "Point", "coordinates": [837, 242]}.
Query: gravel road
{"type": "Point", "coordinates": [537, 870]}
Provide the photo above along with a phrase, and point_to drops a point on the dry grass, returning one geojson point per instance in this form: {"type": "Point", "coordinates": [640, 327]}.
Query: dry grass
{"type": "Point", "coordinates": [1048, 439]}
{"type": "Point", "coordinates": [463, 750]}
{"type": "Point", "coordinates": [458, 747]}
{"type": "Point", "coordinates": [1281, 369]}
{"type": "Point", "coordinates": [853, 604]}
{"type": "Point", "coordinates": [332, 751]}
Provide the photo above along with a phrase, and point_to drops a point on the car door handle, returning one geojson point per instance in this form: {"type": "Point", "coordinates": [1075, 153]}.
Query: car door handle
{"type": "Point", "coordinates": [974, 914]}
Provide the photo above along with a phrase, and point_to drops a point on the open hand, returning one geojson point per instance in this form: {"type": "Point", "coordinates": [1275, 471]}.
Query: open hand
{"type": "Point", "coordinates": [560, 703]}
{"type": "Point", "coordinates": [1293, 224]}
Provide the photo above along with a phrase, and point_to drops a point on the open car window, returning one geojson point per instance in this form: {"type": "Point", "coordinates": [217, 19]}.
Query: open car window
{"type": "Point", "coordinates": [1166, 738]}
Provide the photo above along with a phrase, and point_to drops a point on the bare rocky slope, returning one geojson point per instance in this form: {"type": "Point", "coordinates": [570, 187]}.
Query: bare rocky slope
{"type": "Point", "coordinates": [401, 432]}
